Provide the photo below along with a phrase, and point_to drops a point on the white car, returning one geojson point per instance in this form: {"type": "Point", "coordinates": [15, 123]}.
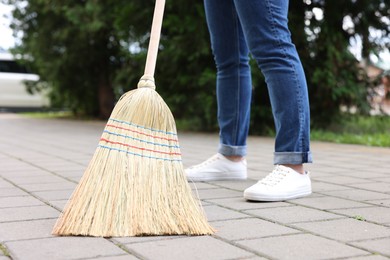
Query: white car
{"type": "Point", "coordinates": [13, 92]}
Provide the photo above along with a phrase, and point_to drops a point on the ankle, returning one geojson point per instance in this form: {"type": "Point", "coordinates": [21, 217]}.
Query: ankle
{"type": "Point", "coordinates": [234, 158]}
{"type": "Point", "coordinates": [296, 167]}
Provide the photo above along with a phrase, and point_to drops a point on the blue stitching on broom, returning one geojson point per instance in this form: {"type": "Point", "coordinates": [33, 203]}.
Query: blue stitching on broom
{"type": "Point", "coordinates": [143, 127]}
{"type": "Point", "coordinates": [143, 141]}
{"type": "Point", "coordinates": [137, 154]}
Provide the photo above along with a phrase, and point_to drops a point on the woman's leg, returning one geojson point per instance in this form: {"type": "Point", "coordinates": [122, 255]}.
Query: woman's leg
{"type": "Point", "coordinates": [234, 85]}
{"type": "Point", "coordinates": [234, 88]}
{"type": "Point", "coordinates": [264, 23]}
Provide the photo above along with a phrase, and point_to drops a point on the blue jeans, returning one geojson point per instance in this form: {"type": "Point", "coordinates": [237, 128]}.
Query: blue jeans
{"type": "Point", "coordinates": [259, 27]}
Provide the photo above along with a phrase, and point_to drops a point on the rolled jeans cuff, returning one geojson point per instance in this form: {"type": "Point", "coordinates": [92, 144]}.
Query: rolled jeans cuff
{"type": "Point", "coordinates": [292, 157]}
{"type": "Point", "coordinates": [229, 150]}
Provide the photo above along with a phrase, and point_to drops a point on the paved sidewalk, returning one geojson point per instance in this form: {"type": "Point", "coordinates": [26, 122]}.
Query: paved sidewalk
{"type": "Point", "coordinates": [347, 216]}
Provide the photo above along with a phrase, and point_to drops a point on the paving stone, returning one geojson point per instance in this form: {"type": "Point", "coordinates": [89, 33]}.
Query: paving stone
{"type": "Point", "coordinates": [250, 228]}
{"type": "Point", "coordinates": [318, 186]}
{"type": "Point", "coordinates": [27, 213]}
{"type": "Point", "coordinates": [201, 186]}
{"type": "Point", "coordinates": [312, 195]}
{"type": "Point", "coordinates": [4, 184]}
{"type": "Point", "coordinates": [258, 168]}
{"type": "Point", "coordinates": [214, 213]}
{"type": "Point", "coordinates": [357, 194]}
{"type": "Point", "coordinates": [339, 179]}
{"type": "Point", "coordinates": [59, 204]}
{"type": "Point", "coordinates": [16, 167]}
{"type": "Point", "coordinates": [130, 240]}
{"type": "Point", "coordinates": [381, 246]}
{"type": "Point", "coordinates": [378, 186]}
{"type": "Point", "coordinates": [48, 178]}
{"type": "Point", "coordinates": [235, 185]}
{"type": "Point", "coordinates": [75, 178]}
{"type": "Point", "coordinates": [66, 165]}
{"type": "Point", "coordinates": [54, 161]}
{"type": "Point", "coordinates": [64, 185]}
{"type": "Point", "coordinates": [24, 173]}
{"type": "Point", "coordinates": [45, 160]}
{"type": "Point", "coordinates": [345, 229]}
{"type": "Point", "coordinates": [318, 173]}
{"type": "Point", "coordinates": [368, 173]}
{"type": "Point", "coordinates": [293, 214]}
{"type": "Point", "coordinates": [118, 257]}
{"type": "Point", "coordinates": [242, 204]}
{"type": "Point", "coordinates": [253, 258]}
{"type": "Point", "coordinates": [202, 247]}
{"type": "Point", "coordinates": [26, 229]}
{"type": "Point", "coordinates": [70, 173]}
{"type": "Point", "coordinates": [12, 192]}
{"type": "Point", "coordinates": [255, 175]}
{"type": "Point", "coordinates": [385, 203]}
{"type": "Point", "coordinates": [54, 195]}
{"type": "Point", "coordinates": [374, 214]}
{"type": "Point", "coordinates": [62, 248]}
{"type": "Point", "coordinates": [301, 246]}
{"type": "Point", "coordinates": [354, 166]}
{"type": "Point", "coordinates": [328, 203]}
{"type": "Point", "coordinates": [371, 257]}
{"type": "Point", "coordinates": [13, 202]}
{"type": "Point", "coordinates": [383, 179]}
{"type": "Point", "coordinates": [317, 170]}
{"type": "Point", "coordinates": [218, 193]}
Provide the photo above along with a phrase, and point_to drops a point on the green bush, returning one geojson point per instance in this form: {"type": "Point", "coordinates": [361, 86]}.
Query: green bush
{"type": "Point", "coordinates": [90, 52]}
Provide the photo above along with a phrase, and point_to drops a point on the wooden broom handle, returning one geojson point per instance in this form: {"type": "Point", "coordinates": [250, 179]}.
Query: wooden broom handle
{"type": "Point", "coordinates": [147, 80]}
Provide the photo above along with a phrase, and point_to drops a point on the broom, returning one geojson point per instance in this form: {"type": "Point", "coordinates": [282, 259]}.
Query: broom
{"type": "Point", "coordinates": [135, 183]}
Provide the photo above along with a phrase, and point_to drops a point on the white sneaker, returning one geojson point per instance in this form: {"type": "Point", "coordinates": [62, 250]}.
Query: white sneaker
{"type": "Point", "coordinates": [217, 168]}
{"type": "Point", "coordinates": [283, 183]}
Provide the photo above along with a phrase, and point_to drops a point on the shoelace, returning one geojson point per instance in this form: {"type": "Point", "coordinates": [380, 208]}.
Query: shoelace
{"type": "Point", "coordinates": [276, 176]}
{"type": "Point", "coordinates": [208, 161]}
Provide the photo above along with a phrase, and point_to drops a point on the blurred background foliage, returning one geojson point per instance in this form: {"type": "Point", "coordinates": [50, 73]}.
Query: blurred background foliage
{"type": "Point", "coordinates": [90, 52]}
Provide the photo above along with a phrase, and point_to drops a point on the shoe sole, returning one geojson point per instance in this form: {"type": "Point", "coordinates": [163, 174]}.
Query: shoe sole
{"type": "Point", "coordinates": [256, 197]}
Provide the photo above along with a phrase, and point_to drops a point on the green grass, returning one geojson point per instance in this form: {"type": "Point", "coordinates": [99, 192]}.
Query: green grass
{"type": "Point", "coordinates": [4, 250]}
{"type": "Point", "coordinates": [360, 218]}
{"type": "Point", "coordinates": [352, 129]}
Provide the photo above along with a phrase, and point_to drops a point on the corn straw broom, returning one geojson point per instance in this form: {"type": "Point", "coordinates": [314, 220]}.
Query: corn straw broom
{"type": "Point", "coordinates": [135, 184]}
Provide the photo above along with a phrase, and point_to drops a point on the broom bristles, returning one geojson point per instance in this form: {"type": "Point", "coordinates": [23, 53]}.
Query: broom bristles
{"type": "Point", "coordinates": [135, 183]}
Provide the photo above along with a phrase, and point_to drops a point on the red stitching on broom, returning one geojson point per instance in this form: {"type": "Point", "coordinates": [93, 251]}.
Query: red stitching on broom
{"type": "Point", "coordinates": [131, 130]}
{"type": "Point", "coordinates": [135, 147]}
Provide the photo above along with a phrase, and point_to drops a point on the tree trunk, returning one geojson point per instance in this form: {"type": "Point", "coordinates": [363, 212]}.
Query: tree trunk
{"type": "Point", "coordinates": [106, 97]}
